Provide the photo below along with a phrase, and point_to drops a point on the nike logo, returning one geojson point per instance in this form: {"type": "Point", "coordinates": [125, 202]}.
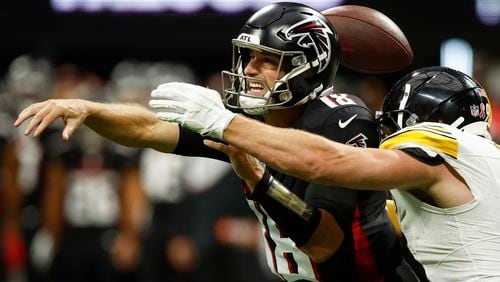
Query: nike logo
{"type": "Point", "coordinates": [343, 124]}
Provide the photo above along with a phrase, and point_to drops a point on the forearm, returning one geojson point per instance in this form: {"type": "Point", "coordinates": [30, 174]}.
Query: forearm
{"type": "Point", "coordinates": [131, 125]}
{"type": "Point", "coordinates": [319, 160]}
{"type": "Point", "coordinates": [294, 152]}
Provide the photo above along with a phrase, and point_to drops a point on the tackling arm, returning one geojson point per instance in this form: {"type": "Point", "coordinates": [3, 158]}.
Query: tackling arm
{"type": "Point", "coordinates": [301, 154]}
{"type": "Point", "coordinates": [319, 160]}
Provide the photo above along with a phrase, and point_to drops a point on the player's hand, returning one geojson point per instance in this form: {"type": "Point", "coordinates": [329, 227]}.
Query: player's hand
{"type": "Point", "coordinates": [197, 108]}
{"type": "Point", "coordinates": [42, 114]}
{"type": "Point", "coordinates": [246, 166]}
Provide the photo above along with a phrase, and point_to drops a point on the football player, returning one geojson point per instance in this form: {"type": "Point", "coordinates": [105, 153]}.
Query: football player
{"type": "Point", "coordinates": [437, 157]}
{"type": "Point", "coordinates": [284, 63]}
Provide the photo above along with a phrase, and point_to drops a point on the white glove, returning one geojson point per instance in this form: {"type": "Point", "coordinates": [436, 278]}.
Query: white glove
{"type": "Point", "coordinates": [194, 107]}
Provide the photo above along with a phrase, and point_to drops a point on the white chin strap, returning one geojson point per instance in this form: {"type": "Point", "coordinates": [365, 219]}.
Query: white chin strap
{"type": "Point", "coordinates": [253, 106]}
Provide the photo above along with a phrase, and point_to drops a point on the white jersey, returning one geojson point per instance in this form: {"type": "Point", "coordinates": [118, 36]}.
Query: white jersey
{"type": "Point", "coordinates": [460, 243]}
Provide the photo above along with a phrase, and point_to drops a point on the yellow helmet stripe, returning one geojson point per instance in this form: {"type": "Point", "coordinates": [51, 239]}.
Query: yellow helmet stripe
{"type": "Point", "coordinates": [432, 139]}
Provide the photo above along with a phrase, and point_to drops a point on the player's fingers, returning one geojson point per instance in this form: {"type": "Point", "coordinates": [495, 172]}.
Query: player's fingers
{"type": "Point", "coordinates": [166, 116]}
{"type": "Point", "coordinates": [27, 113]}
{"type": "Point", "coordinates": [44, 118]}
{"type": "Point", "coordinates": [158, 93]}
{"type": "Point", "coordinates": [218, 146]}
{"type": "Point", "coordinates": [167, 106]}
{"type": "Point", "coordinates": [70, 127]}
{"type": "Point", "coordinates": [174, 88]}
{"type": "Point", "coordinates": [169, 93]}
{"type": "Point", "coordinates": [37, 118]}
{"type": "Point", "coordinates": [158, 103]}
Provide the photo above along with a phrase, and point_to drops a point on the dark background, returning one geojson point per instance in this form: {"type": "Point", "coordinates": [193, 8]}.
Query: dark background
{"type": "Point", "coordinates": [202, 40]}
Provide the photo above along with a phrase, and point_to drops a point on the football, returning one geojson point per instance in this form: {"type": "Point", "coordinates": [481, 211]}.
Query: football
{"type": "Point", "coordinates": [370, 42]}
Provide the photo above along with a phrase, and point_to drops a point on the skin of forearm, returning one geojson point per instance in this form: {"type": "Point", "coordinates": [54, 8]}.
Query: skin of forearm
{"type": "Point", "coordinates": [315, 158]}
{"type": "Point", "coordinates": [131, 125]}
{"type": "Point", "coordinates": [294, 152]}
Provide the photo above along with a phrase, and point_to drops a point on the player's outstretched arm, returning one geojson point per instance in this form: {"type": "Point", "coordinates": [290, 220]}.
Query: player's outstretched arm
{"type": "Point", "coordinates": [319, 160]}
{"type": "Point", "coordinates": [126, 124]}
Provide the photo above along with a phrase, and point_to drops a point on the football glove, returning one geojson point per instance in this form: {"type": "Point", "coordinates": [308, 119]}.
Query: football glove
{"type": "Point", "coordinates": [194, 107]}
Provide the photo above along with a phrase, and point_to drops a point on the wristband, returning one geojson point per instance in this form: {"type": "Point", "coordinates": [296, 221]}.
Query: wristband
{"type": "Point", "coordinates": [261, 188]}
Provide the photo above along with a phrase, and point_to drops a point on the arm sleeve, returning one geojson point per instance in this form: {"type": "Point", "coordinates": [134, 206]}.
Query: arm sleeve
{"type": "Point", "coordinates": [191, 144]}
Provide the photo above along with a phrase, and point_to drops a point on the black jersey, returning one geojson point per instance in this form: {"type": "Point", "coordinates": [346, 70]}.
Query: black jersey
{"type": "Point", "coordinates": [370, 250]}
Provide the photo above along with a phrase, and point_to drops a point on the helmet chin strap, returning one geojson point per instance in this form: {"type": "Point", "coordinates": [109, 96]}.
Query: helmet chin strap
{"type": "Point", "coordinates": [257, 106]}
{"type": "Point", "coordinates": [253, 106]}
{"type": "Point", "coordinates": [458, 122]}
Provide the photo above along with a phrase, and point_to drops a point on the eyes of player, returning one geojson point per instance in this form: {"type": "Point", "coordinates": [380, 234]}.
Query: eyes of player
{"type": "Point", "coordinates": [265, 60]}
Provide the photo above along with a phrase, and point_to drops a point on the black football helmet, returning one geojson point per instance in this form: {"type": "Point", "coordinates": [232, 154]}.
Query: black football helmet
{"type": "Point", "coordinates": [437, 94]}
{"type": "Point", "coordinates": [308, 48]}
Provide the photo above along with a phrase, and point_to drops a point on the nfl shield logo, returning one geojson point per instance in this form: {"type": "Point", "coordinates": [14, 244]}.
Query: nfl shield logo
{"type": "Point", "coordinates": [474, 110]}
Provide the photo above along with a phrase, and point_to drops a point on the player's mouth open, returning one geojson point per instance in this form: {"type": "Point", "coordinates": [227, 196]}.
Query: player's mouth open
{"type": "Point", "coordinates": [255, 88]}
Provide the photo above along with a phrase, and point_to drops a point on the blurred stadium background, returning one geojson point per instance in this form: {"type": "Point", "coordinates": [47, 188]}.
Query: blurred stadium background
{"type": "Point", "coordinates": [97, 34]}
{"type": "Point", "coordinates": [175, 219]}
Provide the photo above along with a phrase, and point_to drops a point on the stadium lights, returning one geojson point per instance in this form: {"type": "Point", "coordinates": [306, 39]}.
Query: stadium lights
{"type": "Point", "coordinates": [180, 6]}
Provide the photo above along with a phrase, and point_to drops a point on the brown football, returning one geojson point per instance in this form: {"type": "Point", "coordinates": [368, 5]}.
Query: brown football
{"type": "Point", "coordinates": [370, 42]}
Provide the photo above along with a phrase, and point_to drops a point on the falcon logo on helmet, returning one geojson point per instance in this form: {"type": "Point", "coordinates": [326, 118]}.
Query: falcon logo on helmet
{"type": "Point", "coordinates": [312, 33]}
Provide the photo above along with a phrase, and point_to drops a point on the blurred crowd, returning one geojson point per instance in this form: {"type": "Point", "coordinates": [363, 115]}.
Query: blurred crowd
{"type": "Point", "coordinates": [90, 210]}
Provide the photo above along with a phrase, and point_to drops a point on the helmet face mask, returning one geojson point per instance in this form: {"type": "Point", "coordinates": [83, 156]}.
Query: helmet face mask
{"type": "Point", "coordinates": [437, 94]}
{"type": "Point", "coordinates": [388, 123]}
{"type": "Point", "coordinates": [237, 94]}
{"type": "Point", "coordinates": [307, 48]}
